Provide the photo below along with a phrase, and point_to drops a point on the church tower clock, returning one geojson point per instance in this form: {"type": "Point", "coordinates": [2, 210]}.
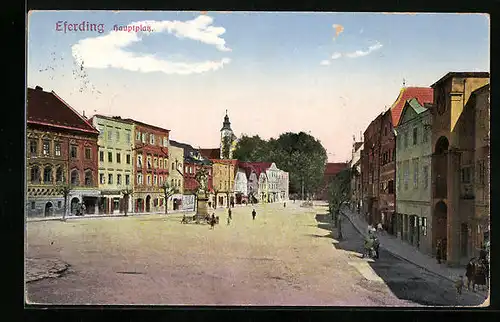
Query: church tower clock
{"type": "Point", "coordinates": [227, 139]}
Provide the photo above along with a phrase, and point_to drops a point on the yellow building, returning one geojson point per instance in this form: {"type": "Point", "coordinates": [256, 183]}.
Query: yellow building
{"type": "Point", "coordinates": [224, 172]}
{"type": "Point", "coordinates": [175, 176]}
{"type": "Point", "coordinates": [115, 166]}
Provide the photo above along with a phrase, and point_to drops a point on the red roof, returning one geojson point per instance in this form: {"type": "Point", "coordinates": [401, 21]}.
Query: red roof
{"type": "Point", "coordinates": [210, 153]}
{"type": "Point", "coordinates": [422, 94]}
{"type": "Point", "coordinates": [46, 108]}
{"type": "Point", "coordinates": [334, 168]}
{"type": "Point", "coordinates": [257, 167]}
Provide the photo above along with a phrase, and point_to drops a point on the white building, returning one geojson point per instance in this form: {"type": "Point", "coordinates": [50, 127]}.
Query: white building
{"type": "Point", "coordinates": [241, 186]}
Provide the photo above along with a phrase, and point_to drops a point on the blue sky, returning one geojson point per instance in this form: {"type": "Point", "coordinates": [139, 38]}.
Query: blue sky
{"type": "Point", "coordinates": [273, 72]}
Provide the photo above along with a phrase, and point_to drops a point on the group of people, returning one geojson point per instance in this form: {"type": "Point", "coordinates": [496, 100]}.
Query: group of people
{"type": "Point", "coordinates": [371, 244]}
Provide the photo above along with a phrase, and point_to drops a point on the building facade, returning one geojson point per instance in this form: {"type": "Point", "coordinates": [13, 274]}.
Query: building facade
{"type": "Point", "coordinates": [387, 172]}
{"type": "Point", "coordinates": [115, 161]}
{"type": "Point", "coordinates": [355, 164]}
{"type": "Point", "coordinates": [224, 172]}
{"type": "Point", "coordinates": [151, 166]}
{"type": "Point", "coordinates": [453, 140]}
{"type": "Point", "coordinates": [241, 186]}
{"type": "Point", "coordinates": [283, 185]}
{"type": "Point", "coordinates": [272, 174]}
{"type": "Point", "coordinates": [331, 170]}
{"type": "Point", "coordinates": [61, 150]}
{"type": "Point", "coordinates": [413, 165]}
{"type": "Point", "coordinates": [176, 176]}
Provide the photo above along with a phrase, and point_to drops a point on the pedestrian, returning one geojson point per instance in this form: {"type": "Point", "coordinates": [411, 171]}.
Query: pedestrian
{"type": "Point", "coordinates": [438, 251]}
{"type": "Point", "coordinates": [370, 228]}
{"type": "Point", "coordinates": [84, 208]}
{"type": "Point", "coordinates": [379, 227]}
{"type": "Point", "coordinates": [212, 221]}
{"type": "Point", "coordinates": [229, 213]}
{"type": "Point", "coordinates": [254, 213]}
{"type": "Point", "coordinates": [376, 245]}
{"type": "Point", "coordinates": [228, 220]}
{"type": "Point", "coordinates": [284, 205]}
{"type": "Point", "coordinates": [459, 284]}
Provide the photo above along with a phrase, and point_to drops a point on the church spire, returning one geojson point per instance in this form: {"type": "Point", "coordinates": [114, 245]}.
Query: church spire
{"type": "Point", "coordinates": [226, 125]}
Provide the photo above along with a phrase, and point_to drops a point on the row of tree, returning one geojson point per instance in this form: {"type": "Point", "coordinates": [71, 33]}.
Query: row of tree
{"type": "Point", "coordinates": [299, 154]}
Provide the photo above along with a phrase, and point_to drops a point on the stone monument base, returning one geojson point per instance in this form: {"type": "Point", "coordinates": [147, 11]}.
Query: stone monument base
{"type": "Point", "coordinates": [202, 207]}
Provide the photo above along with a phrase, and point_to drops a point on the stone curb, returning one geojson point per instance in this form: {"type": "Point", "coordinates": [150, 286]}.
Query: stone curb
{"type": "Point", "coordinates": [403, 258]}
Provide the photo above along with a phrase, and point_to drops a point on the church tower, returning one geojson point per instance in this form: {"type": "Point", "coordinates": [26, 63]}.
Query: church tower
{"type": "Point", "coordinates": [227, 139]}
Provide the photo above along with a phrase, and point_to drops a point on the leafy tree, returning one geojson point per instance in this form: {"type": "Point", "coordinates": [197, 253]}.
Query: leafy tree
{"type": "Point", "coordinates": [127, 192]}
{"type": "Point", "coordinates": [168, 191]}
{"type": "Point", "coordinates": [339, 195]}
{"type": "Point", "coordinates": [251, 149]}
{"type": "Point", "coordinates": [65, 190]}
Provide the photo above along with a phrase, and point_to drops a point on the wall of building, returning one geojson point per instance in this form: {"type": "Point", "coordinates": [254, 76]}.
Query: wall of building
{"type": "Point", "coordinates": [175, 177]}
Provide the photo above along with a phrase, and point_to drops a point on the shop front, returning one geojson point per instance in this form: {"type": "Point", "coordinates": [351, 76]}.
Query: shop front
{"type": "Point", "coordinates": [84, 201]}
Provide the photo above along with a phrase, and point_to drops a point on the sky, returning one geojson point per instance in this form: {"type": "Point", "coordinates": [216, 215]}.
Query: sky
{"type": "Point", "coordinates": [327, 74]}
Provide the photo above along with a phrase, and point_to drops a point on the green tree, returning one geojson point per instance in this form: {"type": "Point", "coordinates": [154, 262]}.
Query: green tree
{"type": "Point", "coordinates": [251, 149]}
{"type": "Point", "coordinates": [127, 192]}
{"type": "Point", "coordinates": [339, 195]}
{"type": "Point", "coordinates": [168, 191]}
{"type": "Point", "coordinates": [65, 190]}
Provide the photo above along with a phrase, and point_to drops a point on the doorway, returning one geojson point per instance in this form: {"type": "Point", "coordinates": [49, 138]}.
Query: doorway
{"type": "Point", "coordinates": [48, 209]}
{"type": "Point", "coordinates": [74, 205]}
{"type": "Point", "coordinates": [439, 223]}
{"type": "Point", "coordinates": [148, 203]}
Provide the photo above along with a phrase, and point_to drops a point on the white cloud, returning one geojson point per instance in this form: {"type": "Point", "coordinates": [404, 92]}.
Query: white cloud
{"type": "Point", "coordinates": [361, 53]}
{"type": "Point", "coordinates": [325, 62]}
{"type": "Point", "coordinates": [336, 55]}
{"type": "Point", "coordinates": [108, 51]}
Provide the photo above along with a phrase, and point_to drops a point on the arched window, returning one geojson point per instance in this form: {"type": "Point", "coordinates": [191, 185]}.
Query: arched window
{"type": "Point", "coordinates": [35, 174]}
{"type": "Point", "coordinates": [88, 178]}
{"type": "Point", "coordinates": [75, 177]}
{"type": "Point", "coordinates": [59, 175]}
{"type": "Point", "coordinates": [173, 166]}
{"type": "Point", "coordinates": [47, 174]}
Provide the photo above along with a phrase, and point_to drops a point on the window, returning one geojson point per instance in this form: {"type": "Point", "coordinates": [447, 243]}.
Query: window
{"type": "Point", "coordinates": [46, 148]}
{"type": "Point", "coordinates": [466, 175]}
{"type": "Point", "coordinates": [415, 173]}
{"type": "Point", "coordinates": [75, 177]}
{"type": "Point", "coordinates": [149, 179]}
{"type": "Point", "coordinates": [425, 135]}
{"type": "Point", "coordinates": [127, 179]}
{"type": "Point", "coordinates": [87, 153]}
{"type": "Point", "coordinates": [424, 226]}
{"type": "Point", "coordinates": [390, 186]}
{"type": "Point", "coordinates": [160, 163]}
{"type": "Point", "coordinates": [101, 156]}
{"type": "Point", "coordinates": [186, 170]}
{"type": "Point", "coordinates": [406, 167]}
{"type": "Point", "coordinates": [57, 148]}
{"type": "Point", "coordinates": [155, 202]}
{"type": "Point", "coordinates": [118, 157]}
{"type": "Point", "coordinates": [118, 179]}
{"type": "Point", "coordinates": [160, 180]}
{"type": "Point", "coordinates": [117, 135]}
{"type": "Point", "coordinates": [110, 156]}
{"type": "Point", "coordinates": [110, 178]}
{"type": "Point", "coordinates": [405, 138]}
{"type": "Point", "coordinates": [138, 136]}
{"type": "Point", "coordinates": [165, 163]}
{"type": "Point", "coordinates": [139, 161]}
{"type": "Point", "coordinates": [128, 136]}
{"type": "Point", "coordinates": [101, 178]}
{"type": "Point", "coordinates": [59, 204]}
{"type": "Point", "coordinates": [155, 180]}
{"type": "Point", "coordinates": [88, 178]}
{"type": "Point", "coordinates": [33, 205]}
{"type": "Point", "coordinates": [415, 136]}
{"type": "Point", "coordinates": [139, 178]}
{"type": "Point", "coordinates": [47, 174]}
{"type": "Point", "coordinates": [165, 142]}
{"type": "Point", "coordinates": [190, 169]}
{"type": "Point", "coordinates": [110, 135]}
{"type": "Point", "coordinates": [59, 175]}
{"type": "Point", "coordinates": [33, 147]}
{"type": "Point", "coordinates": [128, 158]}
{"type": "Point", "coordinates": [149, 163]}
{"type": "Point", "coordinates": [35, 174]}
{"type": "Point", "coordinates": [143, 137]}
{"type": "Point", "coordinates": [152, 139]}
{"type": "Point", "coordinates": [73, 151]}
{"type": "Point", "coordinates": [425, 176]}
{"type": "Point", "coordinates": [155, 162]}
{"type": "Point", "coordinates": [172, 182]}
{"type": "Point", "coordinates": [173, 166]}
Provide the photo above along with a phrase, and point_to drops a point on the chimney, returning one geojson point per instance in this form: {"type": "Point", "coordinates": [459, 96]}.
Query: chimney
{"type": "Point", "coordinates": [84, 115]}
{"type": "Point", "coordinates": [38, 88]}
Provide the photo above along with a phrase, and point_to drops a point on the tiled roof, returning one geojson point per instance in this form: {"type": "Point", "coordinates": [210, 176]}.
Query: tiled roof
{"type": "Point", "coordinates": [147, 125]}
{"type": "Point", "coordinates": [112, 118]}
{"type": "Point", "coordinates": [211, 153]}
{"type": "Point", "coordinates": [422, 94]}
{"type": "Point", "coordinates": [257, 167]}
{"type": "Point", "coordinates": [46, 108]}
{"type": "Point", "coordinates": [334, 168]}
{"type": "Point", "coordinates": [189, 151]}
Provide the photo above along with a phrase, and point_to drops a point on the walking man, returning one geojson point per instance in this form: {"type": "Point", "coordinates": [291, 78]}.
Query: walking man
{"type": "Point", "coordinates": [230, 213]}
{"type": "Point", "coordinates": [254, 214]}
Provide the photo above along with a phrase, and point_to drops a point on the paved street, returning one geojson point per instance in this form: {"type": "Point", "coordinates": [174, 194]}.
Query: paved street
{"type": "Point", "coordinates": [284, 257]}
{"type": "Point", "coordinates": [406, 280]}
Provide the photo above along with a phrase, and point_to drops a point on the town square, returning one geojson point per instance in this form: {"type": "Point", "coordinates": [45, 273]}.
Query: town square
{"type": "Point", "coordinates": [171, 163]}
